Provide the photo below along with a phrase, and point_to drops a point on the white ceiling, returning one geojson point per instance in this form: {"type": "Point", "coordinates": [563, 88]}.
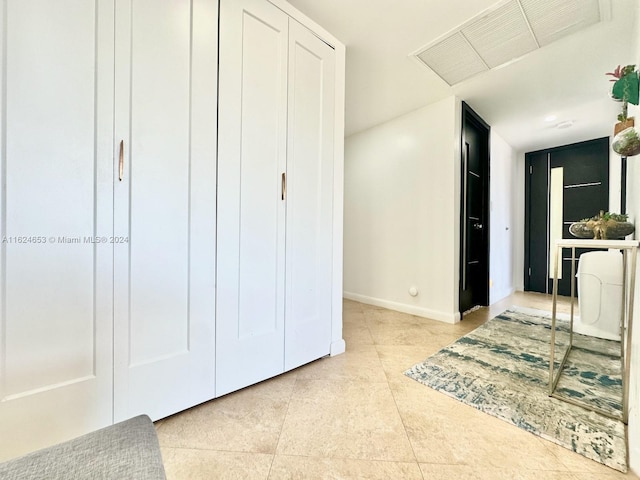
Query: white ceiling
{"type": "Point", "coordinates": [566, 78]}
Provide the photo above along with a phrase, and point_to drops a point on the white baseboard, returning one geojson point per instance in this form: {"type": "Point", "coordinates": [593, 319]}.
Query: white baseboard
{"type": "Point", "coordinates": [337, 347]}
{"type": "Point", "coordinates": [404, 308]}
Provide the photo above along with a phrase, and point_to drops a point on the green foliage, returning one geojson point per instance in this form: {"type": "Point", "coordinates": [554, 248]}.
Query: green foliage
{"type": "Point", "coordinates": [616, 217]}
{"type": "Point", "coordinates": [623, 116]}
{"type": "Point", "coordinates": [626, 88]}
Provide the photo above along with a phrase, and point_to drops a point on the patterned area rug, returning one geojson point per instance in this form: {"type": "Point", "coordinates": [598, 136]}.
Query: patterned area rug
{"type": "Point", "coordinates": [502, 368]}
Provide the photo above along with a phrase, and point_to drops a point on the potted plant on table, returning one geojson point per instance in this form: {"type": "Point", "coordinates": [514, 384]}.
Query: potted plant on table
{"type": "Point", "coordinates": [605, 226]}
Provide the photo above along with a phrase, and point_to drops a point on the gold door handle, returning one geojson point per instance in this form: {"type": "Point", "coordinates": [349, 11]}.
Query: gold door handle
{"type": "Point", "coordinates": [121, 162]}
{"type": "Point", "coordinates": [284, 185]}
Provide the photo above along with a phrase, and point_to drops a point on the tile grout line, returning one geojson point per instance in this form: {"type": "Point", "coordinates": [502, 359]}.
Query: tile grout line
{"type": "Point", "coordinates": [404, 427]}
{"type": "Point", "coordinates": [284, 419]}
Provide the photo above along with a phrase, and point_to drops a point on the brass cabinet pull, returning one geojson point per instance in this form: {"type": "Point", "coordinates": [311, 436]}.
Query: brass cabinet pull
{"type": "Point", "coordinates": [284, 185]}
{"type": "Point", "coordinates": [121, 162]}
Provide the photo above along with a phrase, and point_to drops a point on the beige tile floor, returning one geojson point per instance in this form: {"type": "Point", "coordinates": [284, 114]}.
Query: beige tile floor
{"type": "Point", "coordinates": [356, 416]}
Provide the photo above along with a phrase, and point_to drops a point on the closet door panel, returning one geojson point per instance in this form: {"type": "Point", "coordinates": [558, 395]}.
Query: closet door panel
{"type": "Point", "coordinates": [158, 171]}
{"type": "Point", "coordinates": [251, 209]}
{"type": "Point", "coordinates": [165, 342]}
{"type": "Point", "coordinates": [56, 199]}
{"type": "Point", "coordinates": [310, 197]}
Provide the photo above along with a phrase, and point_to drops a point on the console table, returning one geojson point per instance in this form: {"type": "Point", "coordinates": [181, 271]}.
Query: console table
{"type": "Point", "coordinates": [629, 248]}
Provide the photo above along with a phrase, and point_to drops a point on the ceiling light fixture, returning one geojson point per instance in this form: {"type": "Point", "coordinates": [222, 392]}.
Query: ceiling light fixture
{"type": "Point", "coordinates": [550, 118]}
{"type": "Point", "coordinates": [565, 124]}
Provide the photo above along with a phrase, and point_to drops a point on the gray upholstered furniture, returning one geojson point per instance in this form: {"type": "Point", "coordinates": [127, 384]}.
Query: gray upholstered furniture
{"type": "Point", "coordinates": [128, 450]}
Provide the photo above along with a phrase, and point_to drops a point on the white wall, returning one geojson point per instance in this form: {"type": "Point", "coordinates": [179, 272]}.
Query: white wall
{"type": "Point", "coordinates": [401, 217]}
{"type": "Point", "coordinates": [633, 208]}
{"type": "Point", "coordinates": [402, 210]}
{"type": "Point", "coordinates": [519, 202]}
{"type": "Point", "coordinates": [504, 217]}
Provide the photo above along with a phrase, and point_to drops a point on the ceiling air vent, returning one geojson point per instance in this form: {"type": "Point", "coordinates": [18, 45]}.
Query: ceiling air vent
{"type": "Point", "coordinates": [505, 32]}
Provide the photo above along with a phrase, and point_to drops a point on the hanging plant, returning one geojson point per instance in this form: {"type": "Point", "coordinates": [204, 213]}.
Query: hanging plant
{"type": "Point", "coordinates": [627, 142]}
{"type": "Point", "coordinates": [626, 89]}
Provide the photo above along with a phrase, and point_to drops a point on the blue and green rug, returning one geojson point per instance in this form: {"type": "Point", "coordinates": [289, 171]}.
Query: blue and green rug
{"type": "Point", "coordinates": [502, 368]}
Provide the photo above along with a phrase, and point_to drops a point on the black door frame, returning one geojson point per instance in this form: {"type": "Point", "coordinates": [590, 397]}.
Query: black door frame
{"type": "Point", "coordinates": [469, 115]}
{"type": "Point", "coordinates": [527, 218]}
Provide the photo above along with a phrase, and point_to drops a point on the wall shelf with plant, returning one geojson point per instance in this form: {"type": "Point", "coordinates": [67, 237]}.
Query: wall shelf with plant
{"type": "Point", "coordinates": [626, 89]}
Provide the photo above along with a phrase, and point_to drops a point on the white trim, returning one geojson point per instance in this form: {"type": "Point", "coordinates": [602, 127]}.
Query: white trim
{"type": "Point", "coordinates": [307, 22]}
{"type": "Point", "coordinates": [337, 347]}
{"type": "Point", "coordinates": [405, 308]}
{"type": "Point", "coordinates": [338, 200]}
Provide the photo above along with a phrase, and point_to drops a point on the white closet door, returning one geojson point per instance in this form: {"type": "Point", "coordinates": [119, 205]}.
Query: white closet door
{"type": "Point", "coordinates": [56, 133]}
{"type": "Point", "coordinates": [251, 211]}
{"type": "Point", "coordinates": [309, 197]}
{"type": "Point", "coordinates": [165, 205]}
